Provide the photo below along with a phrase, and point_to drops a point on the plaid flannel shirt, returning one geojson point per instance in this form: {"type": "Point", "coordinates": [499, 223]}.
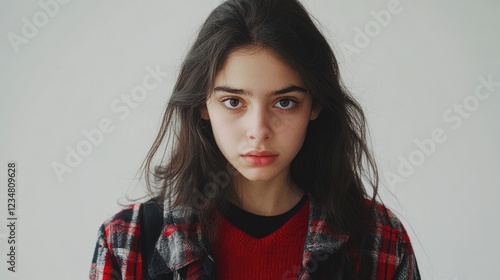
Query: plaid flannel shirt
{"type": "Point", "coordinates": [181, 253]}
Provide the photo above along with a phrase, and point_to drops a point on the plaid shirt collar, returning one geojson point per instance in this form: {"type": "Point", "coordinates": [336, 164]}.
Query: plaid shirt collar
{"type": "Point", "coordinates": [180, 244]}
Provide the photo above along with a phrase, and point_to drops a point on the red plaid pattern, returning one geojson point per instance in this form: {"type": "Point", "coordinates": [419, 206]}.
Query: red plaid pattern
{"type": "Point", "coordinates": [181, 253]}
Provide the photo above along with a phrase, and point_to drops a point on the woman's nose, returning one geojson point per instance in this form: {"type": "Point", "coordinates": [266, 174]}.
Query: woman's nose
{"type": "Point", "coordinates": [259, 125]}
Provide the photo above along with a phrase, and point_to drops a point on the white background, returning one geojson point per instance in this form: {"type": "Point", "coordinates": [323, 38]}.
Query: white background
{"type": "Point", "coordinates": [88, 54]}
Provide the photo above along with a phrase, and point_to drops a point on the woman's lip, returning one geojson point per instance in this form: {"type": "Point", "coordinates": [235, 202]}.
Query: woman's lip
{"type": "Point", "coordinates": [260, 153]}
{"type": "Point", "coordinates": [260, 160]}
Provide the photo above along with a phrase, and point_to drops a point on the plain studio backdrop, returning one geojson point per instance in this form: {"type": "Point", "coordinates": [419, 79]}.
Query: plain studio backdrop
{"type": "Point", "coordinates": [77, 118]}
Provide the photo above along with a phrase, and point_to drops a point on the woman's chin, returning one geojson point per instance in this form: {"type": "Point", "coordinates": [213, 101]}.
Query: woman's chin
{"type": "Point", "coordinates": [258, 175]}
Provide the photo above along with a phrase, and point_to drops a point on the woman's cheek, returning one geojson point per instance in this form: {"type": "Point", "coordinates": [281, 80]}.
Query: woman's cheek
{"type": "Point", "coordinates": [226, 128]}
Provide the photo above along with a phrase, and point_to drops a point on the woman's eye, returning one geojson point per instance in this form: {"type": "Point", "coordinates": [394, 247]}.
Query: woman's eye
{"type": "Point", "coordinates": [232, 103]}
{"type": "Point", "coordinates": [286, 103]}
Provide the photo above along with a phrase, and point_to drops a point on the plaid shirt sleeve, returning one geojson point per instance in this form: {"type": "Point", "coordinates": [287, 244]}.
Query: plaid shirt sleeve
{"type": "Point", "coordinates": [117, 254]}
{"type": "Point", "coordinates": [395, 256]}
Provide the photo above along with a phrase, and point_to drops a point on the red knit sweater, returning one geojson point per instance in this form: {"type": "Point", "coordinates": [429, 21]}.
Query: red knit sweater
{"type": "Point", "coordinates": [276, 256]}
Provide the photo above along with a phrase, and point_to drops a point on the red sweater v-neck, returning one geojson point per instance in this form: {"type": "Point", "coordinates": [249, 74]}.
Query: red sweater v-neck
{"type": "Point", "coordinates": [275, 256]}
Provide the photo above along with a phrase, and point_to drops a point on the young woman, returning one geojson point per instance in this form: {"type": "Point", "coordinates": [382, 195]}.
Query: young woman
{"type": "Point", "coordinates": [266, 151]}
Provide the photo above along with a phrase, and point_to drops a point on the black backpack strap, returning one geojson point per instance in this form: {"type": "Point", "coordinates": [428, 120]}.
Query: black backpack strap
{"type": "Point", "coordinates": [151, 222]}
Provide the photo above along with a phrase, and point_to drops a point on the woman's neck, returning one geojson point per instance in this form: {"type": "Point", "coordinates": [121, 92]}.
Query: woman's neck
{"type": "Point", "coordinates": [267, 198]}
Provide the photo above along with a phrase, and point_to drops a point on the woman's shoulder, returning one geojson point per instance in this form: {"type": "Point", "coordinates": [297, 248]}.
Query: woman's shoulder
{"type": "Point", "coordinates": [126, 223]}
{"type": "Point", "coordinates": [387, 221]}
{"type": "Point", "coordinates": [121, 231]}
{"type": "Point", "coordinates": [117, 245]}
{"type": "Point", "coordinates": [390, 236]}
{"type": "Point", "coordinates": [127, 217]}
{"type": "Point", "coordinates": [392, 248]}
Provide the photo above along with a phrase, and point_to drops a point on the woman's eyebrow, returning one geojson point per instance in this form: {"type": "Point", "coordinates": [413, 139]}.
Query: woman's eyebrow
{"type": "Point", "coordinates": [288, 89]}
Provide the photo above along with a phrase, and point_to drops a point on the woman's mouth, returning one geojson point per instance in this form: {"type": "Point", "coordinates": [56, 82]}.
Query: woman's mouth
{"type": "Point", "coordinates": [260, 158]}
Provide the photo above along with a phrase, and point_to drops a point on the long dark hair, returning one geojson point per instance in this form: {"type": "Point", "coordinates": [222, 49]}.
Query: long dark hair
{"type": "Point", "coordinates": [334, 161]}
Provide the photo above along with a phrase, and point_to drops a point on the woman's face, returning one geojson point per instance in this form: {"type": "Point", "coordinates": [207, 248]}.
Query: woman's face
{"type": "Point", "coordinates": [259, 111]}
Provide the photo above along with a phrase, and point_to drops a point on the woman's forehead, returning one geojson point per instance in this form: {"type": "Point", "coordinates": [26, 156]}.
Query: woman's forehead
{"type": "Point", "coordinates": [256, 70]}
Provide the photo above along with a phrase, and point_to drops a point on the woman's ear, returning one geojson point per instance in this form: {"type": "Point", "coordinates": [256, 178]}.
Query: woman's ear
{"type": "Point", "coordinates": [315, 112]}
{"type": "Point", "coordinates": [204, 113]}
